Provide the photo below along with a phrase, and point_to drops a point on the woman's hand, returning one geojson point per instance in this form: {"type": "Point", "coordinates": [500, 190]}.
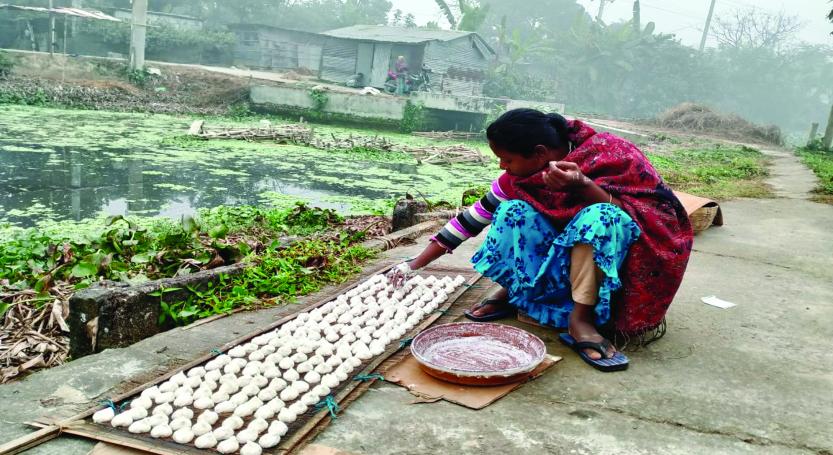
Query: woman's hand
{"type": "Point", "coordinates": [564, 175]}
{"type": "Point", "coordinates": [401, 273]}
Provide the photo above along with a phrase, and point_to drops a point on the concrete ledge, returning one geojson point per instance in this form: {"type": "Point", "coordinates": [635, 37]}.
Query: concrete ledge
{"type": "Point", "coordinates": [113, 315]}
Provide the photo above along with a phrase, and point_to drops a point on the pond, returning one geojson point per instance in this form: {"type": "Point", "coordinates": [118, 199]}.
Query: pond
{"type": "Point", "coordinates": [61, 165]}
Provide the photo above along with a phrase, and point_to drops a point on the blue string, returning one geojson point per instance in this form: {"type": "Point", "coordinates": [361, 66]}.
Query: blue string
{"type": "Point", "coordinates": [216, 351]}
{"type": "Point", "coordinates": [112, 405]}
{"type": "Point", "coordinates": [406, 342]}
{"type": "Point", "coordinates": [331, 405]}
{"type": "Point", "coordinates": [368, 377]}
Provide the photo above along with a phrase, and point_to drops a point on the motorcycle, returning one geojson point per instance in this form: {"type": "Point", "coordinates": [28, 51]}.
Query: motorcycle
{"type": "Point", "coordinates": [419, 82]}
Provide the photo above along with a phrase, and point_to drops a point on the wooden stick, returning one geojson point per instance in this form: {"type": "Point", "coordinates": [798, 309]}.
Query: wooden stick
{"type": "Point", "coordinates": [31, 440]}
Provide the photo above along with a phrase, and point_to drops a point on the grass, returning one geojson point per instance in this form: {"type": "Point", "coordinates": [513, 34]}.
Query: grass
{"type": "Point", "coordinates": [821, 163]}
{"type": "Point", "coordinates": [41, 261]}
{"type": "Point", "coordinates": [715, 171]}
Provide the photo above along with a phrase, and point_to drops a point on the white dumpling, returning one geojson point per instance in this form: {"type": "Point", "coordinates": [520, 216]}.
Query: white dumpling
{"type": "Point", "coordinates": [286, 363]}
{"type": "Point", "coordinates": [277, 384]}
{"type": "Point", "coordinates": [158, 419]}
{"type": "Point", "coordinates": [267, 394]}
{"type": "Point", "coordinates": [291, 375]}
{"type": "Point", "coordinates": [330, 381]}
{"type": "Point", "coordinates": [244, 410]}
{"type": "Point", "coordinates": [286, 415]}
{"type": "Point", "coordinates": [277, 427]}
{"type": "Point", "coordinates": [247, 435]}
{"type": "Point", "coordinates": [257, 355]}
{"type": "Point", "coordinates": [141, 402]}
{"type": "Point", "coordinates": [182, 413]}
{"type": "Point", "coordinates": [237, 351]}
{"type": "Point", "coordinates": [223, 433]}
{"type": "Point", "coordinates": [306, 348]}
{"type": "Point", "coordinates": [269, 440]}
{"type": "Point", "coordinates": [239, 398]}
{"type": "Point", "coordinates": [209, 417]}
{"type": "Point", "coordinates": [321, 390]}
{"type": "Point", "coordinates": [138, 413]}
{"type": "Point", "coordinates": [312, 377]}
{"type": "Point", "coordinates": [161, 431]}
{"type": "Point", "coordinates": [251, 390]}
{"type": "Point", "coordinates": [164, 408]}
{"type": "Point", "coordinates": [265, 412]}
{"type": "Point", "coordinates": [289, 394]}
{"type": "Point", "coordinates": [122, 420]}
{"type": "Point", "coordinates": [298, 408]}
{"type": "Point", "coordinates": [193, 381]}
{"type": "Point", "coordinates": [140, 426]}
{"type": "Point", "coordinates": [251, 448]}
{"type": "Point", "coordinates": [299, 386]}
{"type": "Point", "coordinates": [179, 423]}
{"type": "Point", "coordinates": [323, 369]}
{"type": "Point", "coordinates": [272, 372]}
{"type": "Point", "coordinates": [224, 407]}
{"type": "Point", "coordinates": [342, 375]}
{"type": "Point", "coordinates": [309, 398]}
{"type": "Point", "coordinates": [104, 415]}
{"type": "Point", "coordinates": [232, 368]}
{"type": "Point", "coordinates": [304, 367]}
{"type": "Point", "coordinates": [150, 392]}
{"type": "Point", "coordinates": [233, 422]}
{"type": "Point", "coordinates": [183, 435]}
{"type": "Point", "coordinates": [203, 403]}
{"type": "Point", "coordinates": [206, 441]}
{"type": "Point", "coordinates": [335, 360]}
{"type": "Point", "coordinates": [229, 445]}
{"type": "Point", "coordinates": [276, 404]}
{"type": "Point", "coordinates": [179, 378]}
{"type": "Point", "coordinates": [200, 428]}
{"type": "Point", "coordinates": [183, 400]}
{"type": "Point", "coordinates": [164, 397]}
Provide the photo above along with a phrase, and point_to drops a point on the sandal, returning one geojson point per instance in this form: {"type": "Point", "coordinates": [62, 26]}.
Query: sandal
{"type": "Point", "coordinates": [616, 362]}
{"type": "Point", "coordinates": [506, 312]}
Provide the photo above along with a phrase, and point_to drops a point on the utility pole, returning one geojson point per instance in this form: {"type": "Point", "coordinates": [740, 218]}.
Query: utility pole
{"type": "Point", "coordinates": [51, 29]}
{"type": "Point", "coordinates": [601, 9]}
{"type": "Point", "coordinates": [637, 17]}
{"type": "Point", "coordinates": [137, 36]}
{"type": "Point", "coordinates": [706, 28]}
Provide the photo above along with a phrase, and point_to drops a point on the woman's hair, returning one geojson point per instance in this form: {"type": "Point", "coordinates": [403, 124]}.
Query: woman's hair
{"type": "Point", "coordinates": [520, 130]}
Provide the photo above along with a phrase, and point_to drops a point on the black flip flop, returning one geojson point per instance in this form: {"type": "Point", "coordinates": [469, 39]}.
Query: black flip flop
{"type": "Point", "coordinates": [616, 362]}
{"type": "Point", "coordinates": [500, 314]}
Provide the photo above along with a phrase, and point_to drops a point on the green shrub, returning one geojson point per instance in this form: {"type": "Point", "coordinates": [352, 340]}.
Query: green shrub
{"type": "Point", "coordinates": [6, 65]}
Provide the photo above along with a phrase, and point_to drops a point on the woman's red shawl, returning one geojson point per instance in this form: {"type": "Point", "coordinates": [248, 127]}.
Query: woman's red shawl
{"type": "Point", "coordinates": [654, 267]}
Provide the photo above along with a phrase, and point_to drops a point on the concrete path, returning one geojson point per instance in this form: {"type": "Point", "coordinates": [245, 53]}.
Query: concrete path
{"type": "Point", "coordinates": [752, 379]}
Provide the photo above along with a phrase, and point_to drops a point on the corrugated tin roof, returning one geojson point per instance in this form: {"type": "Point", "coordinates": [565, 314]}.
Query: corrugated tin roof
{"type": "Point", "coordinates": [394, 34]}
{"type": "Point", "coordinates": [89, 14]}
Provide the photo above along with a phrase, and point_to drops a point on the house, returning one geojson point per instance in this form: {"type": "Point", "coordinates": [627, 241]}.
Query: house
{"type": "Point", "coordinates": [458, 60]}
{"type": "Point", "coordinates": [158, 18]}
{"type": "Point", "coordinates": [275, 48]}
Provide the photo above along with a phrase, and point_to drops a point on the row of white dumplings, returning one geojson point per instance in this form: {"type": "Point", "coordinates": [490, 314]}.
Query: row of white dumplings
{"type": "Point", "coordinates": [281, 373]}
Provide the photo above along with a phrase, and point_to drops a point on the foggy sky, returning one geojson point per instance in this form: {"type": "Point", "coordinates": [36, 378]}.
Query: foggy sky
{"type": "Point", "coordinates": [685, 18]}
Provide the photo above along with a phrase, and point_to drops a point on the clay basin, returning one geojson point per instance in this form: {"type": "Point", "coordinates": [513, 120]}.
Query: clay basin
{"type": "Point", "coordinates": [474, 353]}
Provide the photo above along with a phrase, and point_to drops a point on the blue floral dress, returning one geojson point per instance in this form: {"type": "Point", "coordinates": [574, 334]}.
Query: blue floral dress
{"type": "Point", "coordinates": [524, 253]}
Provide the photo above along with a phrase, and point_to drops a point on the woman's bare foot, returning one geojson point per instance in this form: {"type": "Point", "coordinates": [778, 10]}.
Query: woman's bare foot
{"type": "Point", "coordinates": [582, 328]}
{"type": "Point", "coordinates": [500, 300]}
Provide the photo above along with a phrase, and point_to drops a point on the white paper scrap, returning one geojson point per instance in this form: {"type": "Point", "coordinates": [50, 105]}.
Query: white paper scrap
{"type": "Point", "coordinates": [720, 303]}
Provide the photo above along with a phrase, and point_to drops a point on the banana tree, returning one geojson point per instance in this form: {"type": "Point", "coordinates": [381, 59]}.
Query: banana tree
{"type": "Point", "coordinates": [471, 14]}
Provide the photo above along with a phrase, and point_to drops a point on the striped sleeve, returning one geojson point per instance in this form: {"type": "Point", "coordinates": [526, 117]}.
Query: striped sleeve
{"type": "Point", "coordinates": [472, 221]}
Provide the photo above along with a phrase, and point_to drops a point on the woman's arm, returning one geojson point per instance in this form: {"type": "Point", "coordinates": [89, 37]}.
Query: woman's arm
{"type": "Point", "coordinates": [431, 252]}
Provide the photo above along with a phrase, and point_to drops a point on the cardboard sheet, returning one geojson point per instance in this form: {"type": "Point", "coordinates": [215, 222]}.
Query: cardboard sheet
{"type": "Point", "coordinates": [103, 448]}
{"type": "Point", "coordinates": [408, 374]}
{"type": "Point", "coordinates": [694, 203]}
